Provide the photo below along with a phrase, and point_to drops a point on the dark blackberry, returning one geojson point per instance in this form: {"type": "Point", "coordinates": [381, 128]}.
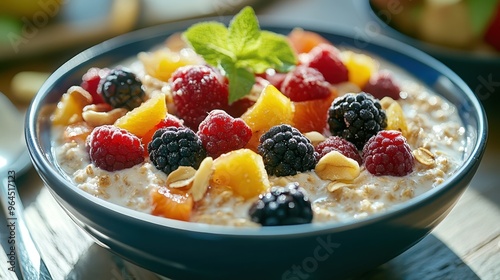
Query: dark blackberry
{"type": "Point", "coordinates": [356, 117]}
{"type": "Point", "coordinates": [172, 147]}
{"type": "Point", "coordinates": [122, 89]}
{"type": "Point", "coordinates": [282, 206]}
{"type": "Point", "coordinates": [286, 151]}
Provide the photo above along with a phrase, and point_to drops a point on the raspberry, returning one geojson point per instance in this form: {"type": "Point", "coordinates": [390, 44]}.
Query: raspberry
{"type": "Point", "coordinates": [305, 83]}
{"type": "Point", "coordinates": [282, 206]}
{"type": "Point", "coordinates": [122, 89]}
{"type": "Point", "coordinates": [91, 80]}
{"type": "Point", "coordinates": [356, 118]}
{"type": "Point", "coordinates": [112, 149]}
{"type": "Point", "coordinates": [382, 84]}
{"type": "Point", "coordinates": [339, 144]}
{"type": "Point", "coordinates": [326, 58]}
{"type": "Point", "coordinates": [273, 77]}
{"type": "Point", "coordinates": [197, 90]}
{"type": "Point", "coordinates": [286, 151]}
{"type": "Point", "coordinates": [239, 107]}
{"type": "Point", "coordinates": [388, 153]}
{"type": "Point", "coordinates": [220, 133]}
{"type": "Point", "coordinates": [172, 147]}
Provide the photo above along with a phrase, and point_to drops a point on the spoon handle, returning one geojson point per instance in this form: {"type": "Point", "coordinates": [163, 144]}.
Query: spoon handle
{"type": "Point", "coordinates": [29, 260]}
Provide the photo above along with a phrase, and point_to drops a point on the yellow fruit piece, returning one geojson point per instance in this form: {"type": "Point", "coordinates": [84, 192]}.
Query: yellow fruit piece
{"type": "Point", "coordinates": [163, 62]}
{"type": "Point", "coordinates": [241, 170]}
{"type": "Point", "coordinates": [360, 67]}
{"type": "Point", "coordinates": [141, 119]}
{"type": "Point", "coordinates": [69, 109]}
{"type": "Point", "coordinates": [396, 119]}
{"type": "Point", "coordinates": [271, 108]}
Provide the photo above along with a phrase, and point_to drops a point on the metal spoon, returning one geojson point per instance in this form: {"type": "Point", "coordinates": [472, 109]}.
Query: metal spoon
{"type": "Point", "coordinates": [14, 160]}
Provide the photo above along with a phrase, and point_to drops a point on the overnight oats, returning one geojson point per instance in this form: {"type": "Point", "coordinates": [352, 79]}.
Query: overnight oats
{"type": "Point", "coordinates": [244, 127]}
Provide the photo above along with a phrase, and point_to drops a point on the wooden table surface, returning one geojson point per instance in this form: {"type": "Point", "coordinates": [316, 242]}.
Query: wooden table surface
{"type": "Point", "coordinates": [466, 245]}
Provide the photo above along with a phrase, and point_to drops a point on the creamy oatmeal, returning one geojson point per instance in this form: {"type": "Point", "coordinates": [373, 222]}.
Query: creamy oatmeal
{"type": "Point", "coordinates": [433, 131]}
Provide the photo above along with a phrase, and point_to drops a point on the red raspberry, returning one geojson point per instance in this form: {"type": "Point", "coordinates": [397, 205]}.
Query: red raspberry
{"type": "Point", "coordinates": [240, 106]}
{"type": "Point", "coordinates": [275, 78]}
{"type": "Point", "coordinates": [169, 120]}
{"type": "Point", "coordinates": [91, 80]}
{"type": "Point", "coordinates": [111, 148]}
{"type": "Point", "coordinates": [339, 144]}
{"type": "Point", "coordinates": [197, 90]}
{"type": "Point", "coordinates": [388, 153]}
{"type": "Point", "coordinates": [305, 83]}
{"type": "Point", "coordinates": [220, 133]}
{"type": "Point", "coordinates": [326, 58]}
{"type": "Point", "coordinates": [382, 84]}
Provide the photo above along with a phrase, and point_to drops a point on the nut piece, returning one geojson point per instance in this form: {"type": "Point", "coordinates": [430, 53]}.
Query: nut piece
{"type": "Point", "coordinates": [335, 166]}
{"type": "Point", "coordinates": [181, 177]}
{"type": "Point", "coordinates": [333, 186]}
{"type": "Point", "coordinates": [315, 137]}
{"type": "Point", "coordinates": [386, 102]}
{"type": "Point", "coordinates": [96, 114]}
{"type": "Point", "coordinates": [424, 156]}
{"type": "Point", "coordinates": [202, 178]}
{"type": "Point", "coordinates": [69, 108]}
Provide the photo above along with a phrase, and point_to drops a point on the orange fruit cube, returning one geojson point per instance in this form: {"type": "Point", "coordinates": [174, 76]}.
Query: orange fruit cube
{"type": "Point", "coordinates": [271, 108]}
{"type": "Point", "coordinates": [241, 170]}
{"type": "Point", "coordinates": [174, 204]}
{"type": "Point", "coordinates": [143, 118]}
{"type": "Point", "coordinates": [312, 115]}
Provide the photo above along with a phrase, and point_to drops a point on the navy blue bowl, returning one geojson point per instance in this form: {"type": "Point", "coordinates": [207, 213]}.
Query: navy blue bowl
{"type": "Point", "coordinates": [183, 250]}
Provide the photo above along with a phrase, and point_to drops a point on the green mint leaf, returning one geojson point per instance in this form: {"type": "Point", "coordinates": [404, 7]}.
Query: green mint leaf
{"type": "Point", "coordinates": [244, 32]}
{"type": "Point", "coordinates": [209, 39]}
{"type": "Point", "coordinates": [276, 50]}
{"type": "Point", "coordinates": [241, 50]}
{"type": "Point", "coordinates": [241, 80]}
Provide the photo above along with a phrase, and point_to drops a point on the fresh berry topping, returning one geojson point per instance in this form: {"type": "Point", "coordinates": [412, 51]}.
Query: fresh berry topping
{"type": "Point", "coordinates": [305, 83]}
{"type": "Point", "coordinates": [197, 90]}
{"type": "Point", "coordinates": [91, 80]}
{"type": "Point", "coordinates": [220, 133]}
{"type": "Point", "coordinates": [388, 153]}
{"type": "Point", "coordinates": [356, 118]}
{"type": "Point", "coordinates": [326, 58]}
{"type": "Point", "coordinates": [239, 107]}
{"type": "Point", "coordinates": [172, 147]}
{"type": "Point", "coordinates": [286, 151]}
{"type": "Point", "coordinates": [339, 144]}
{"type": "Point", "coordinates": [122, 89]}
{"type": "Point", "coordinates": [112, 149]}
{"type": "Point", "coordinates": [169, 120]}
{"type": "Point", "coordinates": [382, 84]}
{"type": "Point", "coordinates": [275, 78]}
{"type": "Point", "coordinates": [282, 206]}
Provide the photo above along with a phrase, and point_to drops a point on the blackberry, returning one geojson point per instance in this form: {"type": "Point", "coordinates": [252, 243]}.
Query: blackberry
{"type": "Point", "coordinates": [122, 89]}
{"type": "Point", "coordinates": [356, 117]}
{"type": "Point", "coordinates": [282, 206]}
{"type": "Point", "coordinates": [172, 147]}
{"type": "Point", "coordinates": [286, 151]}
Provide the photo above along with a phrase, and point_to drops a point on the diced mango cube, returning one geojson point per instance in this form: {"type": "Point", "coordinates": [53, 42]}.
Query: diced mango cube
{"type": "Point", "coordinates": [271, 108]}
{"type": "Point", "coordinates": [241, 170]}
{"type": "Point", "coordinates": [141, 119]}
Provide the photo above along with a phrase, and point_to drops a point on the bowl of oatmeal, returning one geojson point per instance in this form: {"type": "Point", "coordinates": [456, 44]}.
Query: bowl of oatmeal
{"type": "Point", "coordinates": [304, 174]}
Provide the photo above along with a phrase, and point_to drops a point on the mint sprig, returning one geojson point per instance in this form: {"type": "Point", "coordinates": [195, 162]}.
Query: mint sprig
{"type": "Point", "coordinates": [241, 50]}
